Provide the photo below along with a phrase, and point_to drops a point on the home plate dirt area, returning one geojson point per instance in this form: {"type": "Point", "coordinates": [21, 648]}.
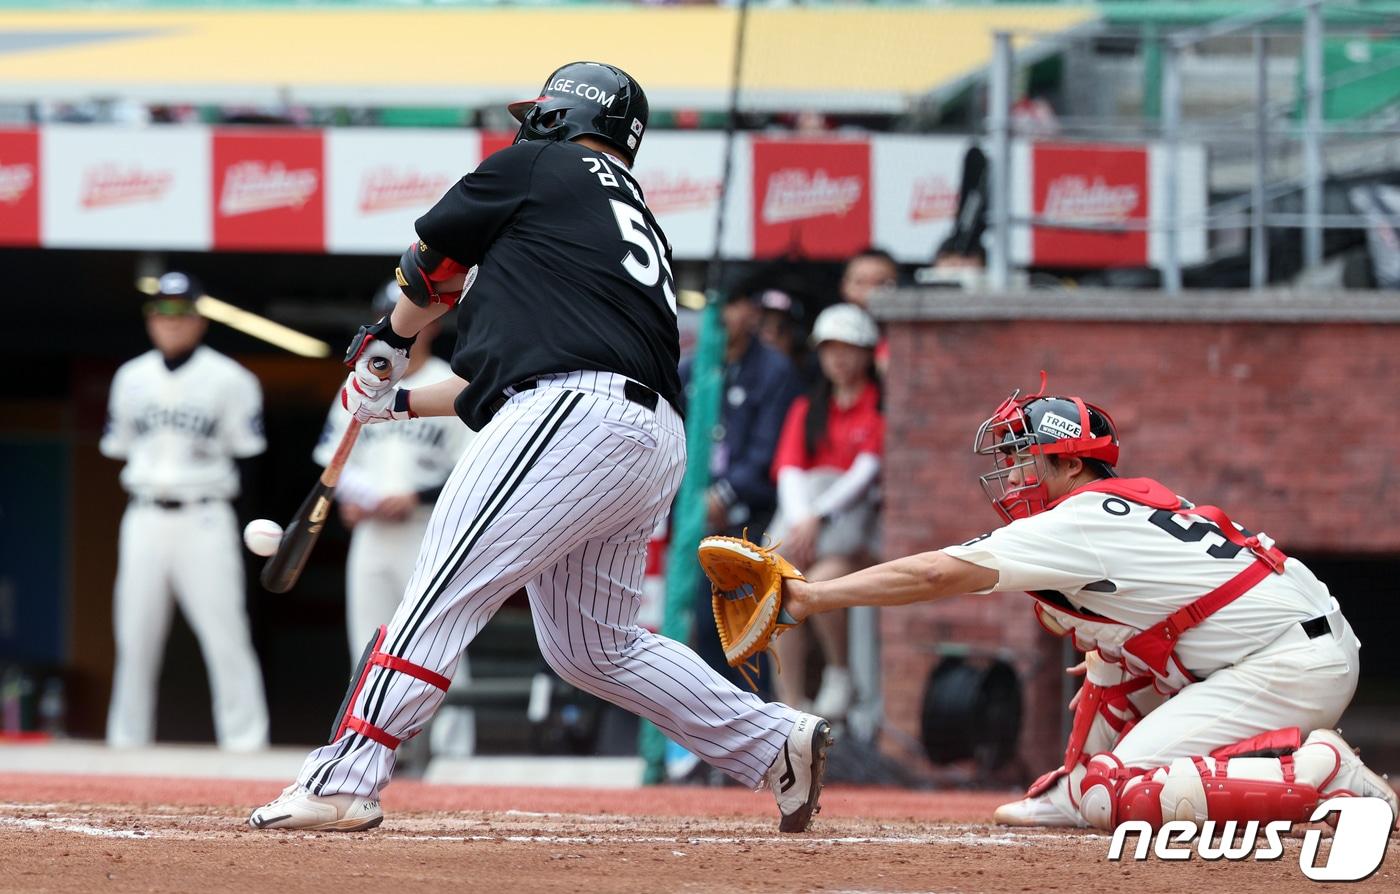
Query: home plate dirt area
{"type": "Point", "coordinates": [89, 833]}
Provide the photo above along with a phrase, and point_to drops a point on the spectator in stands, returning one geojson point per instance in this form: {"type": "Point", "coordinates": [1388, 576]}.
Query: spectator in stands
{"type": "Point", "coordinates": [872, 269]}
{"type": "Point", "coordinates": [827, 469]}
{"type": "Point", "coordinates": [867, 271]}
{"type": "Point", "coordinates": [759, 386]}
{"type": "Point", "coordinates": [780, 327]}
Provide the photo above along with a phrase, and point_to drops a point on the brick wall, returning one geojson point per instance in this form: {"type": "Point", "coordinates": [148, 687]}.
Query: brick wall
{"type": "Point", "coordinates": [1291, 427]}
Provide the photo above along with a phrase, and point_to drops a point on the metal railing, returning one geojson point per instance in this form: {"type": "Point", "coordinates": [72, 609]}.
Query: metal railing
{"type": "Point", "coordinates": [1254, 132]}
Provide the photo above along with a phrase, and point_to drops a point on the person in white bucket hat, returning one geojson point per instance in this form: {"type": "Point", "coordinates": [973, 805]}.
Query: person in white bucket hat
{"type": "Point", "coordinates": [828, 467]}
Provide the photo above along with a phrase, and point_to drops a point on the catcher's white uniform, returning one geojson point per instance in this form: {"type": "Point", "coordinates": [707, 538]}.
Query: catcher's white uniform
{"type": "Point", "coordinates": [1104, 568]}
{"type": "Point", "coordinates": [179, 431]}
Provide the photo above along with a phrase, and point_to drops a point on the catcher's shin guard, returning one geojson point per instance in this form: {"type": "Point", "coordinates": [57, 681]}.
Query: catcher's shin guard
{"type": "Point", "coordinates": [1104, 713]}
{"type": "Point", "coordinates": [372, 657]}
{"type": "Point", "coordinates": [1270, 776]}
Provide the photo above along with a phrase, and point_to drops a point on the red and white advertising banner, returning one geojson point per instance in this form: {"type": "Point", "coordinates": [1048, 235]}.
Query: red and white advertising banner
{"type": "Point", "coordinates": [268, 188]}
{"type": "Point", "coordinates": [493, 141]}
{"type": "Point", "coordinates": [19, 187]}
{"type": "Point", "coordinates": [810, 197]}
{"type": "Point", "coordinates": [1097, 185]}
{"type": "Point", "coordinates": [358, 191]}
{"type": "Point", "coordinates": [915, 181]}
{"type": "Point", "coordinates": [682, 179]}
{"type": "Point", "coordinates": [1191, 203]}
{"type": "Point", "coordinates": [113, 187]}
{"type": "Point", "coordinates": [381, 181]}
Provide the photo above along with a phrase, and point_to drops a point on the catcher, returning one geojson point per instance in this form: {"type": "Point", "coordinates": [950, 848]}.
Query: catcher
{"type": "Point", "coordinates": [1215, 663]}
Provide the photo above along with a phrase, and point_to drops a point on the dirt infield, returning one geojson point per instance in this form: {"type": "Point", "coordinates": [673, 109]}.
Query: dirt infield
{"type": "Point", "coordinates": [83, 834]}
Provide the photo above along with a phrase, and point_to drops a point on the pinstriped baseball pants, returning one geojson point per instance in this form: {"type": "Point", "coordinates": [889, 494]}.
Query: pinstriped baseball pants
{"type": "Point", "coordinates": [559, 494]}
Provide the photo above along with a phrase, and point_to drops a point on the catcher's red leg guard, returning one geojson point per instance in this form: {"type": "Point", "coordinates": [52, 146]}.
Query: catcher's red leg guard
{"type": "Point", "coordinates": [1101, 790]}
{"type": "Point", "coordinates": [1262, 788]}
{"type": "Point", "coordinates": [372, 657]}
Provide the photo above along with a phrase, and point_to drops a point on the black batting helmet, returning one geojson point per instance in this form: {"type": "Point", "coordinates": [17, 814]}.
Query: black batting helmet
{"type": "Point", "coordinates": [586, 99]}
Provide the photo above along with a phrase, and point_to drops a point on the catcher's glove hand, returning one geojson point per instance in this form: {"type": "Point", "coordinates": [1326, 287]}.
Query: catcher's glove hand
{"type": "Point", "coordinates": [746, 586]}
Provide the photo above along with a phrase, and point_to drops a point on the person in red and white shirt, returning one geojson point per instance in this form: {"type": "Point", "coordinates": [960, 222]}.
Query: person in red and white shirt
{"type": "Point", "coordinates": [1215, 664]}
{"type": "Point", "coordinates": [828, 466]}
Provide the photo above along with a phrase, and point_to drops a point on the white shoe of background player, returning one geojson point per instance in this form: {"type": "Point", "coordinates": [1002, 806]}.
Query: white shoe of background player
{"type": "Point", "coordinates": [796, 775]}
{"type": "Point", "coordinates": [834, 697]}
{"type": "Point", "coordinates": [1041, 810]}
{"type": "Point", "coordinates": [297, 808]}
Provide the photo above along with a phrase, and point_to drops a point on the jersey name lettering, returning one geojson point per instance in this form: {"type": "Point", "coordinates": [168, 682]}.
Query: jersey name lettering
{"type": "Point", "coordinates": [191, 420]}
{"type": "Point", "coordinates": [635, 229]}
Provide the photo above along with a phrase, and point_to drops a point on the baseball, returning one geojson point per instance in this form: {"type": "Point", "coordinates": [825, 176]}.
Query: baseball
{"type": "Point", "coordinates": [262, 536]}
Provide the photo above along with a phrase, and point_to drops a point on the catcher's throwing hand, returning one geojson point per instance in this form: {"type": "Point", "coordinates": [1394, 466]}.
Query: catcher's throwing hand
{"type": "Point", "coordinates": [748, 595]}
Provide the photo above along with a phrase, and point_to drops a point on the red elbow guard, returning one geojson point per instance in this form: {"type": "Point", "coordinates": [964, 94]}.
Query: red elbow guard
{"type": "Point", "coordinates": [420, 270]}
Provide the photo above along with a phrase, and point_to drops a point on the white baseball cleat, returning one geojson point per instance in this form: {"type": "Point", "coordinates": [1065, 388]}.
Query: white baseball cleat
{"type": "Point", "coordinates": [796, 775]}
{"type": "Point", "coordinates": [1352, 776]}
{"type": "Point", "coordinates": [297, 808]}
{"type": "Point", "coordinates": [1039, 811]}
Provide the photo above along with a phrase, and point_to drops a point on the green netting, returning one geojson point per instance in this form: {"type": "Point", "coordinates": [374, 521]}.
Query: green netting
{"type": "Point", "coordinates": [422, 116]}
{"type": "Point", "coordinates": [688, 517]}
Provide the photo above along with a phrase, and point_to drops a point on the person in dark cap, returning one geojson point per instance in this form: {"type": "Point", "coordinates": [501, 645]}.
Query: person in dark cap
{"type": "Point", "coordinates": [180, 415]}
{"type": "Point", "coordinates": [759, 385]}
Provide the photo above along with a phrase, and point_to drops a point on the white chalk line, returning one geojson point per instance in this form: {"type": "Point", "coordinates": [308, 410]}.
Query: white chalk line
{"type": "Point", "coordinates": [81, 826]}
{"type": "Point", "coordinates": [69, 825]}
{"type": "Point", "coordinates": [804, 841]}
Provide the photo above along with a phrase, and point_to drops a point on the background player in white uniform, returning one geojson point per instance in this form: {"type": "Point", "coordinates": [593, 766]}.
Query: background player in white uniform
{"type": "Point", "coordinates": [180, 415]}
{"type": "Point", "coordinates": [386, 495]}
{"type": "Point", "coordinates": [569, 342]}
{"type": "Point", "coordinates": [1253, 684]}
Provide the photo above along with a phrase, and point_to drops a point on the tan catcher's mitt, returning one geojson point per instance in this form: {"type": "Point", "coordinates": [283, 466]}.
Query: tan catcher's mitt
{"type": "Point", "coordinates": [746, 587]}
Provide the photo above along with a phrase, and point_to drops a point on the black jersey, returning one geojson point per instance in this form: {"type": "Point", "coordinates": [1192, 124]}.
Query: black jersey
{"type": "Point", "coordinates": [574, 273]}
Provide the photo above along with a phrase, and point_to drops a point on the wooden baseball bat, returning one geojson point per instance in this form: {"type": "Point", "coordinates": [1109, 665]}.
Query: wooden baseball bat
{"type": "Point", "coordinates": [284, 567]}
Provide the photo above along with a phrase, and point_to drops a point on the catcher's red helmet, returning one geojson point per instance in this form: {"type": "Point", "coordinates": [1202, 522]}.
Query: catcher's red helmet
{"type": "Point", "coordinates": [1024, 430]}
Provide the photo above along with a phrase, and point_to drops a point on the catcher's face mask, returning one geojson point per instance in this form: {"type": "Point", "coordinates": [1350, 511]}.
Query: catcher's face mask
{"type": "Point", "coordinates": [1021, 435]}
{"type": "Point", "coordinates": [1015, 485]}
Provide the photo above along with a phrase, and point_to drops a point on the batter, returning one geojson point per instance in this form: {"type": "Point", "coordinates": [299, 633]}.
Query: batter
{"type": "Point", "coordinates": [385, 496]}
{"type": "Point", "coordinates": [568, 341]}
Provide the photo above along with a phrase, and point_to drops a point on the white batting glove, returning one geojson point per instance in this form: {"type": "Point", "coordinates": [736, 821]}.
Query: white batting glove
{"type": "Point", "coordinates": [379, 358]}
{"type": "Point", "coordinates": [379, 368]}
{"type": "Point", "coordinates": [390, 406]}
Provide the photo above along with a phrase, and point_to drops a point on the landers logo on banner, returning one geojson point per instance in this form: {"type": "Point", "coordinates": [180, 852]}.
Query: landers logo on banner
{"type": "Point", "coordinates": [1104, 185]}
{"type": "Point", "coordinates": [112, 184]}
{"type": "Point", "coordinates": [15, 181]}
{"type": "Point", "coordinates": [813, 197]}
{"type": "Point", "coordinates": [933, 198]}
{"type": "Point", "coordinates": [269, 187]}
{"type": "Point", "coordinates": [390, 189]}
{"type": "Point", "coordinates": [252, 186]}
{"type": "Point", "coordinates": [1078, 198]}
{"type": "Point", "coordinates": [669, 193]}
{"type": "Point", "coordinates": [19, 187]}
{"type": "Point", "coordinates": [798, 195]}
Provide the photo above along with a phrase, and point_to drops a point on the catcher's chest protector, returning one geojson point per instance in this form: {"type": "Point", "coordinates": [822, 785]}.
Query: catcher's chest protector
{"type": "Point", "coordinates": [1153, 651]}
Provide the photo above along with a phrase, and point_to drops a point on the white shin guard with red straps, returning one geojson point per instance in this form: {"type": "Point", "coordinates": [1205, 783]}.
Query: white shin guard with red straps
{"type": "Point", "coordinates": [1109, 704]}
{"type": "Point", "coordinates": [346, 721]}
{"type": "Point", "coordinates": [1272, 776]}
